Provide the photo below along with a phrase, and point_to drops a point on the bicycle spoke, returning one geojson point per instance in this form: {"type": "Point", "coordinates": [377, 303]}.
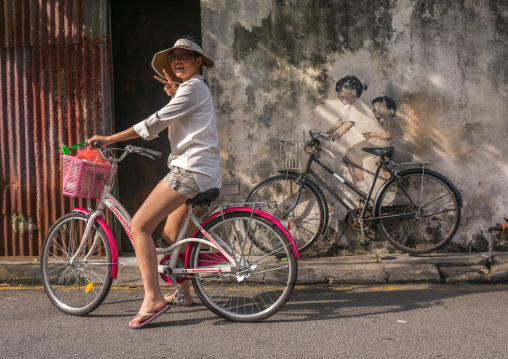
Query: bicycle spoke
{"type": "Point", "coordinates": [94, 274]}
{"type": "Point", "coordinates": [436, 213]}
{"type": "Point", "coordinates": [59, 245]}
{"type": "Point", "coordinates": [408, 239]}
{"type": "Point", "coordinates": [272, 253]}
{"type": "Point", "coordinates": [447, 197]}
{"type": "Point", "coordinates": [57, 258]}
{"type": "Point", "coordinates": [269, 270]}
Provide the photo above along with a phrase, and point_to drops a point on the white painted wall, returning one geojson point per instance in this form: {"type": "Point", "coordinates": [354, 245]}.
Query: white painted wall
{"type": "Point", "coordinates": [444, 63]}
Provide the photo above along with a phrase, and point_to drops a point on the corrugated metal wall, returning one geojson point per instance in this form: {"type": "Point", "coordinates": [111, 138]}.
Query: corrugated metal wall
{"type": "Point", "coordinates": [55, 87]}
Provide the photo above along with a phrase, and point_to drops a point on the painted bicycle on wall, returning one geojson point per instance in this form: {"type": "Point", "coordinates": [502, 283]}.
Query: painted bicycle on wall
{"type": "Point", "coordinates": [417, 210]}
{"type": "Point", "coordinates": [241, 260]}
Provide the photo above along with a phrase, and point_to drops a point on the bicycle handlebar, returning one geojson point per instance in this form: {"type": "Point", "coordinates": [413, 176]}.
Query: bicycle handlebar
{"type": "Point", "coordinates": [128, 149]}
{"type": "Point", "coordinates": [317, 135]}
{"type": "Point", "coordinates": [149, 152]}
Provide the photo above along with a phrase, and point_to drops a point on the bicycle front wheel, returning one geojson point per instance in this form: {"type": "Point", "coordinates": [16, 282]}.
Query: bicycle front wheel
{"type": "Point", "coordinates": [307, 214]}
{"type": "Point", "coordinates": [422, 211]}
{"type": "Point", "coordinates": [77, 285]}
{"type": "Point", "coordinates": [261, 282]}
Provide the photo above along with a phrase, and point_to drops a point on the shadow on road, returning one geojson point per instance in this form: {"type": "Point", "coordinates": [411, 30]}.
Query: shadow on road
{"type": "Point", "coordinates": [336, 302]}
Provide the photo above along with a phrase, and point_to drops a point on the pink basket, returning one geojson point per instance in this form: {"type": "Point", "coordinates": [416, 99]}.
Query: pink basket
{"type": "Point", "coordinates": [83, 179]}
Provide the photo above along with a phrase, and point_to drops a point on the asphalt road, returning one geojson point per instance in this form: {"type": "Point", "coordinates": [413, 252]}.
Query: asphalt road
{"type": "Point", "coordinates": [416, 321]}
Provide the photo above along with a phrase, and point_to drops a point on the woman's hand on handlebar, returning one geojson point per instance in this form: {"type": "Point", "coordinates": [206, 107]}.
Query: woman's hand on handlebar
{"type": "Point", "coordinates": [125, 135]}
{"type": "Point", "coordinates": [103, 140]}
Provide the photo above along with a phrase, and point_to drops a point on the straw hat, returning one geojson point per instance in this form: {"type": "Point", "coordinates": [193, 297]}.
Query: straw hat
{"type": "Point", "coordinates": [160, 60]}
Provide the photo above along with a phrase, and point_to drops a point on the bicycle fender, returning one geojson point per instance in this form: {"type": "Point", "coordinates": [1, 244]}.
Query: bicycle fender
{"type": "Point", "coordinates": [111, 239]}
{"type": "Point", "coordinates": [456, 192]}
{"type": "Point", "coordinates": [246, 209]}
{"type": "Point", "coordinates": [318, 191]}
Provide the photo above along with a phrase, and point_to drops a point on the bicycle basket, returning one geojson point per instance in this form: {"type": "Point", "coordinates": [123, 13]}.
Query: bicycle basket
{"type": "Point", "coordinates": [82, 179]}
{"type": "Point", "coordinates": [291, 154]}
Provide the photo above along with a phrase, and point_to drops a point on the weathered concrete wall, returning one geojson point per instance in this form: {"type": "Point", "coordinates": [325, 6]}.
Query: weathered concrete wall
{"type": "Point", "coordinates": [444, 62]}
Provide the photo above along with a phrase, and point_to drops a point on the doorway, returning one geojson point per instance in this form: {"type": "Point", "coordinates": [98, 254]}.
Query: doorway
{"type": "Point", "coordinates": [139, 29]}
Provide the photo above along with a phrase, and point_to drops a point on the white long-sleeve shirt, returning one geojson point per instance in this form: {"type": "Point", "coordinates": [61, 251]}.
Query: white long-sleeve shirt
{"type": "Point", "coordinates": [193, 135]}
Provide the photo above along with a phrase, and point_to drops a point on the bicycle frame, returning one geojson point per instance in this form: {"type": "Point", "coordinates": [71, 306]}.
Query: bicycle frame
{"type": "Point", "coordinates": [109, 201]}
{"type": "Point", "coordinates": [384, 161]}
{"type": "Point", "coordinates": [212, 241]}
{"type": "Point", "coordinates": [367, 197]}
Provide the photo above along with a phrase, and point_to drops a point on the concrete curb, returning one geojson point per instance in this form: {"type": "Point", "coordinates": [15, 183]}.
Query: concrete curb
{"type": "Point", "coordinates": [404, 268]}
{"type": "Point", "coordinates": [363, 269]}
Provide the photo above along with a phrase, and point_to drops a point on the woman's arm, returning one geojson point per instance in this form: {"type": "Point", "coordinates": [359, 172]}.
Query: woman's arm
{"type": "Point", "coordinates": [180, 106]}
{"type": "Point", "coordinates": [128, 134]}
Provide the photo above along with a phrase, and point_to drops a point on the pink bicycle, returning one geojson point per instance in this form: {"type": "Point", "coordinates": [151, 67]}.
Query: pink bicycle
{"type": "Point", "coordinates": [241, 260]}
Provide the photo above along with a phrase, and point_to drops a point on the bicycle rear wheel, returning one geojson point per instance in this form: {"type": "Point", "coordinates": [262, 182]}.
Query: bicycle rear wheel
{"type": "Point", "coordinates": [307, 219]}
{"type": "Point", "coordinates": [262, 283]}
{"type": "Point", "coordinates": [425, 227]}
{"type": "Point", "coordinates": [79, 287]}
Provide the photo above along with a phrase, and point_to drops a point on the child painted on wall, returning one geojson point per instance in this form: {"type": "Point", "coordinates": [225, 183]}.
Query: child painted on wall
{"type": "Point", "coordinates": [354, 119]}
{"type": "Point", "coordinates": [384, 109]}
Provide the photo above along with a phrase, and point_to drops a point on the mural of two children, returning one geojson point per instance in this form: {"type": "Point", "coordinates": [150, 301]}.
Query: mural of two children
{"type": "Point", "coordinates": [359, 129]}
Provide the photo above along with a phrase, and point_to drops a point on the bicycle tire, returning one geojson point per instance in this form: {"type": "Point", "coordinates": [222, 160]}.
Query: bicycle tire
{"type": "Point", "coordinates": [78, 288]}
{"type": "Point", "coordinates": [265, 289]}
{"type": "Point", "coordinates": [418, 231]}
{"type": "Point", "coordinates": [308, 220]}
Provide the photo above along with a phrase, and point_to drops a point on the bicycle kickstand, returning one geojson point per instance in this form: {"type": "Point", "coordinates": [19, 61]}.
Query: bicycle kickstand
{"type": "Point", "coordinates": [180, 294]}
{"type": "Point", "coordinates": [364, 242]}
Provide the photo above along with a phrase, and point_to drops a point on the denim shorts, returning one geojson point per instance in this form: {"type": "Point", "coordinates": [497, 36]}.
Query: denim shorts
{"type": "Point", "coordinates": [182, 181]}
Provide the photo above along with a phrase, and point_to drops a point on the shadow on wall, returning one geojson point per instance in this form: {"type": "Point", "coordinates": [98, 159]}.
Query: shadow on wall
{"type": "Point", "coordinates": [444, 63]}
{"type": "Point", "coordinates": [421, 118]}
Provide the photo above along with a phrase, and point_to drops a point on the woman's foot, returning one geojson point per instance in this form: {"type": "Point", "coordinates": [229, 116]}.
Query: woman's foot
{"type": "Point", "coordinates": [147, 307]}
{"type": "Point", "coordinates": [161, 243]}
{"type": "Point", "coordinates": [170, 298]}
{"type": "Point", "coordinates": [147, 318]}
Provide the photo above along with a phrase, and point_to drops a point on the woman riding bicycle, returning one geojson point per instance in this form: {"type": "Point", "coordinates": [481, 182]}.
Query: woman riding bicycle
{"type": "Point", "coordinates": [194, 163]}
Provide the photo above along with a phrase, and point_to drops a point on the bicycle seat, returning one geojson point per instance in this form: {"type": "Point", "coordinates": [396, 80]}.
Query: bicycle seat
{"type": "Point", "coordinates": [205, 198]}
{"type": "Point", "coordinates": [379, 151]}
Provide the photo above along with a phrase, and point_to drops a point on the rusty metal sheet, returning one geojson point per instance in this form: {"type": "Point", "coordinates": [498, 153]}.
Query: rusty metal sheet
{"type": "Point", "coordinates": [55, 88]}
{"type": "Point", "coordinates": [52, 22]}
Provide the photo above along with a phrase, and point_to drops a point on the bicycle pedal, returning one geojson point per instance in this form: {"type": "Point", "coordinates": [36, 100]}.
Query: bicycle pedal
{"type": "Point", "coordinates": [179, 298]}
{"type": "Point", "coordinates": [364, 243]}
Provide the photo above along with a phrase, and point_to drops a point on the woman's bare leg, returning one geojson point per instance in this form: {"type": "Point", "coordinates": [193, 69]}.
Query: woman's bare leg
{"type": "Point", "coordinates": [170, 234]}
{"type": "Point", "coordinates": [160, 203]}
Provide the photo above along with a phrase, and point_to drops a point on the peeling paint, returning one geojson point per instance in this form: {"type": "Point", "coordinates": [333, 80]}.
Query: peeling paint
{"type": "Point", "coordinates": [444, 63]}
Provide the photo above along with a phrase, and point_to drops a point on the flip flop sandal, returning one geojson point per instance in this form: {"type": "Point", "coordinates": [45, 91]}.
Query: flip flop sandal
{"type": "Point", "coordinates": [149, 317]}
